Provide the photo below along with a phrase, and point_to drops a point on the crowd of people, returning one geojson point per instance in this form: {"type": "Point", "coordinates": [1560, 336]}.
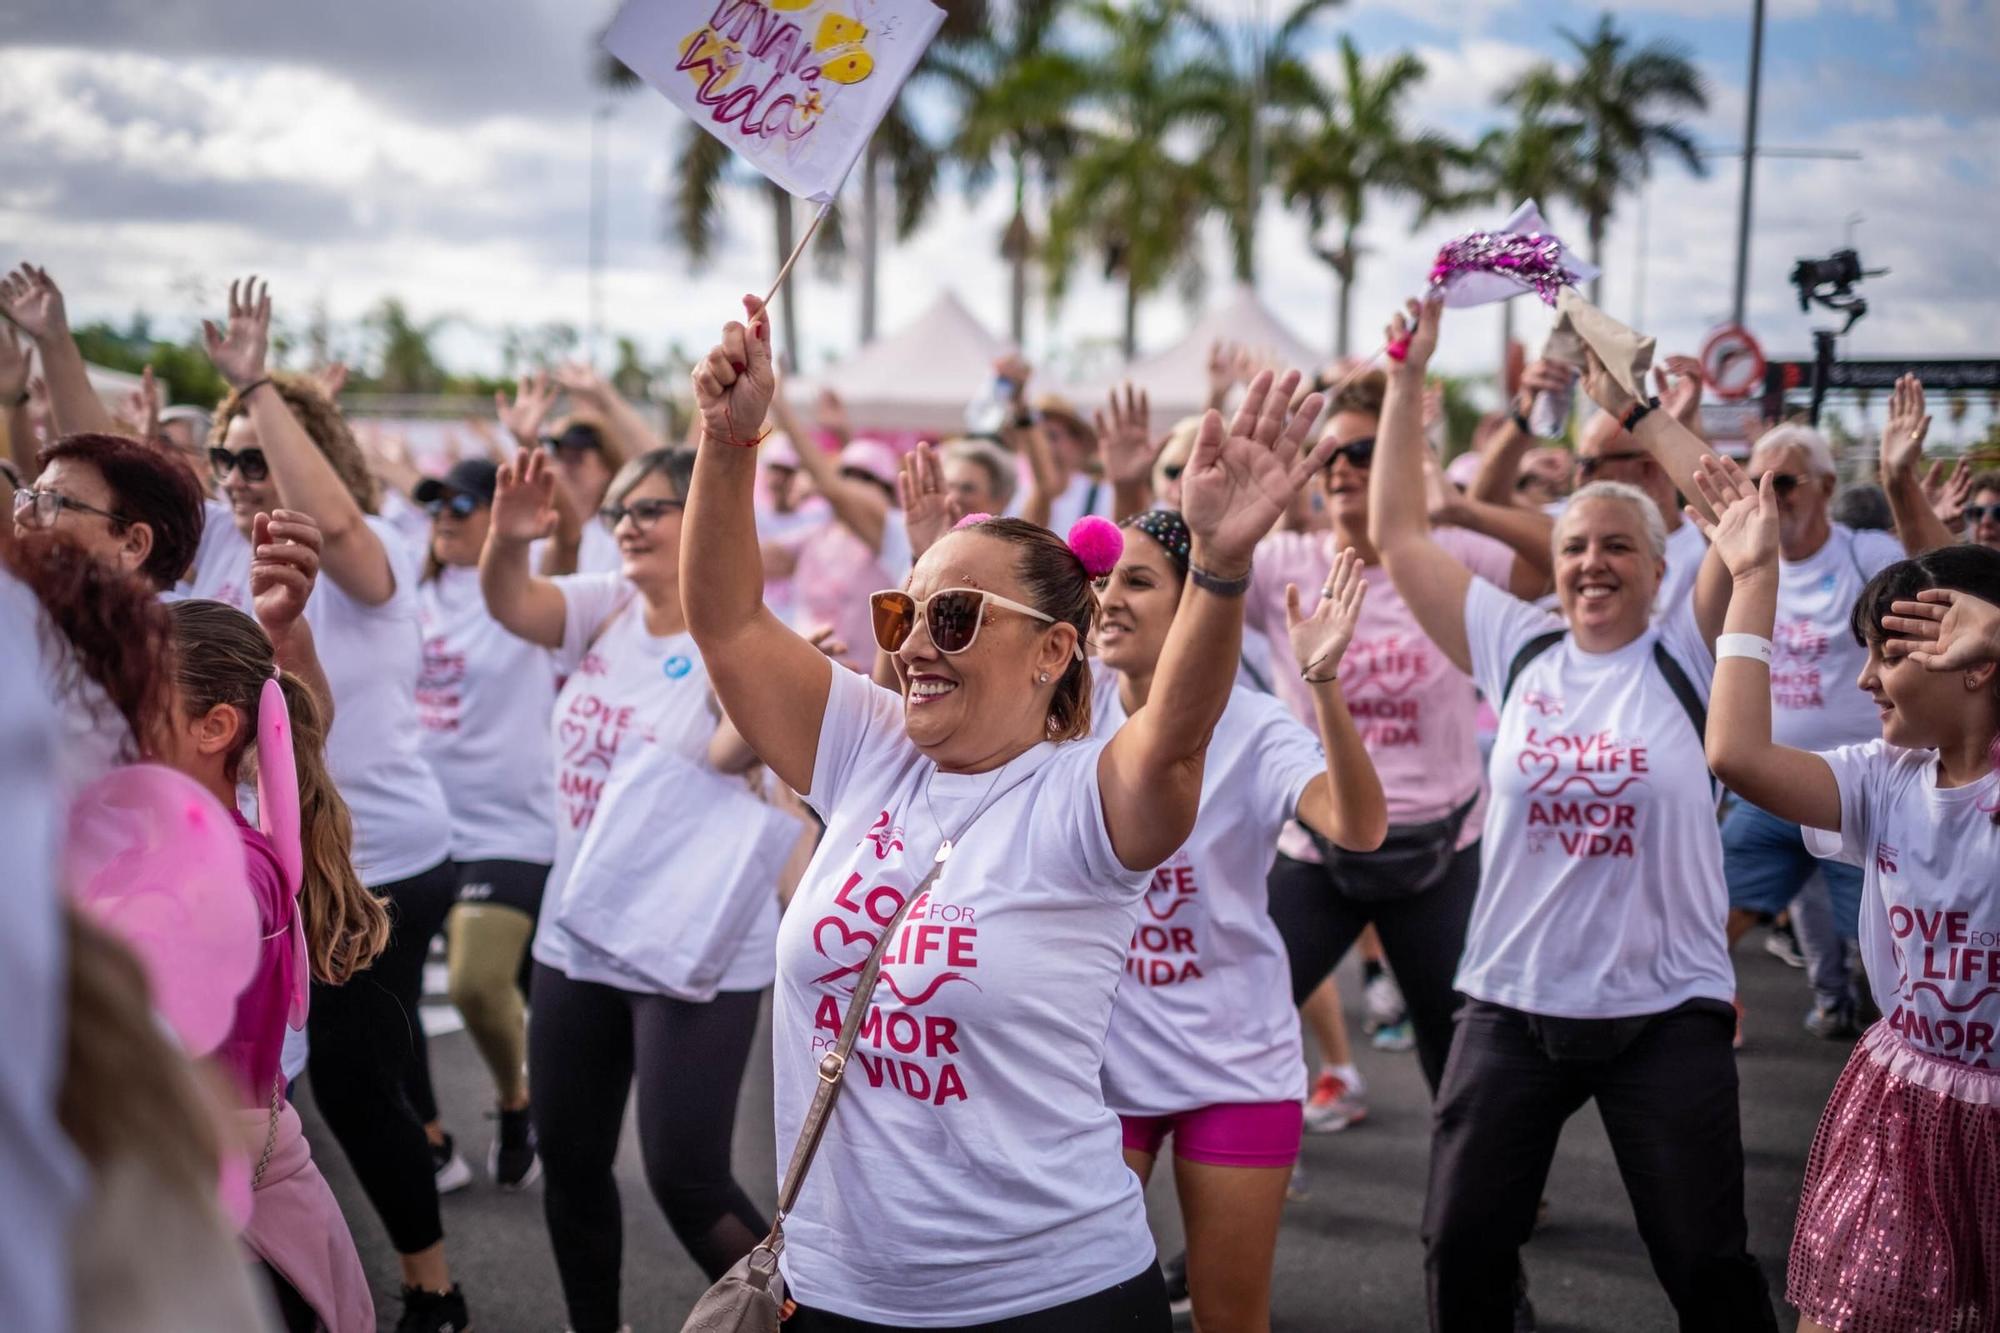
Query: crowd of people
{"type": "Point", "coordinates": [1038, 781]}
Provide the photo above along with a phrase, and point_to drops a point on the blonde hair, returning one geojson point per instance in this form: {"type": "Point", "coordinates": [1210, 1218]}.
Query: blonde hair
{"type": "Point", "coordinates": [223, 657]}
{"type": "Point", "coordinates": [1622, 492]}
{"type": "Point", "coordinates": [323, 424]}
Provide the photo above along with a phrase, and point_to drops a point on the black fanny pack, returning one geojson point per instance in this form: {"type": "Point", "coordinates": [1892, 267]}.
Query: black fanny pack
{"type": "Point", "coordinates": [1411, 860]}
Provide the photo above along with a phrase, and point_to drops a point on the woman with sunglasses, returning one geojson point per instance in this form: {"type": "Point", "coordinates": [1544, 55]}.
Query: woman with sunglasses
{"type": "Point", "coordinates": [1204, 1044]}
{"type": "Point", "coordinates": [971, 1172]}
{"type": "Point", "coordinates": [483, 703]}
{"type": "Point", "coordinates": [1982, 515]}
{"type": "Point", "coordinates": [637, 688]}
{"type": "Point", "coordinates": [1595, 967]}
{"type": "Point", "coordinates": [283, 443]}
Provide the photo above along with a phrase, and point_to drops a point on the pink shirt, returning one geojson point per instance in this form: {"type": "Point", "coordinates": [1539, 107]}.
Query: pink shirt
{"type": "Point", "coordinates": [830, 585]}
{"type": "Point", "coordinates": [1417, 713]}
{"type": "Point", "coordinates": [250, 1052]}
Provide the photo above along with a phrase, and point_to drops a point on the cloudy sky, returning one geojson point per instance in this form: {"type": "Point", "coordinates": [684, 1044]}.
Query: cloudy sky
{"type": "Point", "coordinates": [440, 152]}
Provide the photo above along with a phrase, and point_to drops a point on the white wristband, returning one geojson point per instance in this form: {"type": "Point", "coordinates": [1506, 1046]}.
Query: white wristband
{"type": "Point", "coordinates": [1753, 646]}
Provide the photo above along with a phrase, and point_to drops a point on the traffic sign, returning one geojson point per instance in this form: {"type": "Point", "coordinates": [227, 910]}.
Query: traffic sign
{"type": "Point", "coordinates": [1732, 363]}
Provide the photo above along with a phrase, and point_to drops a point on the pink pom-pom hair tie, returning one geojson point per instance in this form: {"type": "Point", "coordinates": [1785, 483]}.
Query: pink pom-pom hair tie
{"type": "Point", "coordinates": [1098, 543]}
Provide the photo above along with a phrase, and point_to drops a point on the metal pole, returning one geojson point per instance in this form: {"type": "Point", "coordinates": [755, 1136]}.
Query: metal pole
{"type": "Point", "coordinates": [1749, 164]}
{"type": "Point", "coordinates": [598, 189]}
{"type": "Point", "coordinates": [1257, 166]}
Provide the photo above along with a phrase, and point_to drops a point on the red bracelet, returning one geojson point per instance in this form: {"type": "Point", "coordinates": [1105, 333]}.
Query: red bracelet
{"type": "Point", "coordinates": [749, 444]}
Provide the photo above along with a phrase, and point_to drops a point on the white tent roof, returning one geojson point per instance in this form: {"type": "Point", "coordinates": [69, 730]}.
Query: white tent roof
{"type": "Point", "coordinates": [920, 377]}
{"type": "Point", "coordinates": [1176, 379]}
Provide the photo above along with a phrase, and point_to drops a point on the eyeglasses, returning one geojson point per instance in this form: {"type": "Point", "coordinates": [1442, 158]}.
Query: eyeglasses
{"type": "Point", "coordinates": [1590, 467]}
{"type": "Point", "coordinates": [460, 504]}
{"type": "Point", "coordinates": [577, 439]}
{"type": "Point", "coordinates": [1358, 453]}
{"type": "Point", "coordinates": [249, 462]}
{"type": "Point", "coordinates": [46, 505]}
{"type": "Point", "coordinates": [1784, 483]}
{"type": "Point", "coordinates": [1980, 513]}
{"type": "Point", "coordinates": [643, 513]}
{"type": "Point", "coordinates": [952, 615]}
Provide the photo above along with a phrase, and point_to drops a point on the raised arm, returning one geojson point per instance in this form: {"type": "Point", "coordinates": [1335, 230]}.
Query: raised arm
{"type": "Point", "coordinates": [1525, 532]}
{"type": "Point", "coordinates": [14, 402]}
{"type": "Point", "coordinates": [627, 434]}
{"type": "Point", "coordinates": [1944, 629]}
{"type": "Point", "coordinates": [1500, 464]}
{"type": "Point", "coordinates": [1429, 578]}
{"type": "Point", "coordinates": [1792, 784]}
{"type": "Point", "coordinates": [772, 683]}
{"type": "Point", "coordinates": [1917, 523]}
{"type": "Point", "coordinates": [353, 555]}
{"type": "Point", "coordinates": [1235, 488]}
{"type": "Point", "coordinates": [284, 564]}
{"type": "Point", "coordinates": [1659, 432]}
{"type": "Point", "coordinates": [524, 495]}
{"type": "Point", "coordinates": [31, 301]}
{"type": "Point", "coordinates": [861, 508]}
{"type": "Point", "coordinates": [1128, 451]}
{"type": "Point", "coordinates": [1345, 804]}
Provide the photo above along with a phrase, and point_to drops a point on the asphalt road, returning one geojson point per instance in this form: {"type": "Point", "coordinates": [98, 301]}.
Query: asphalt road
{"type": "Point", "coordinates": [1349, 1257]}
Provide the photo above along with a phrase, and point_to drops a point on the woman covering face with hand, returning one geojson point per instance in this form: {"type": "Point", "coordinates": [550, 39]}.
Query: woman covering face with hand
{"type": "Point", "coordinates": [971, 1172]}
{"type": "Point", "coordinates": [1595, 964]}
{"type": "Point", "coordinates": [1204, 1045]}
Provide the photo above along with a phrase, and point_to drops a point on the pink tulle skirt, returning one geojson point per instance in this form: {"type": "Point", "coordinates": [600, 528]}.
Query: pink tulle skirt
{"type": "Point", "coordinates": [1899, 1217]}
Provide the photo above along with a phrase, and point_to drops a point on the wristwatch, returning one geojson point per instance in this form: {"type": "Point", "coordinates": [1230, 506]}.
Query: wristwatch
{"type": "Point", "coordinates": [1638, 413]}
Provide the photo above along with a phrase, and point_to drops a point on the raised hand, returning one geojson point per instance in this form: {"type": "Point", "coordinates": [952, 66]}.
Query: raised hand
{"type": "Point", "coordinates": [524, 498]}
{"type": "Point", "coordinates": [30, 299]}
{"type": "Point", "coordinates": [734, 383]}
{"type": "Point", "coordinates": [13, 368]}
{"type": "Point", "coordinates": [534, 396]}
{"type": "Point", "coordinates": [1320, 639]}
{"type": "Point", "coordinates": [284, 564]}
{"type": "Point", "coordinates": [1944, 630]}
{"type": "Point", "coordinates": [1222, 370]}
{"type": "Point", "coordinates": [1412, 337]}
{"type": "Point", "coordinates": [1947, 494]}
{"type": "Point", "coordinates": [1238, 484]}
{"type": "Point", "coordinates": [581, 381]}
{"type": "Point", "coordinates": [1123, 438]}
{"type": "Point", "coordinates": [1679, 383]}
{"type": "Point", "coordinates": [1745, 530]}
{"type": "Point", "coordinates": [1603, 388]}
{"type": "Point", "coordinates": [1013, 368]}
{"type": "Point", "coordinates": [929, 510]}
{"type": "Point", "coordinates": [1545, 376]}
{"type": "Point", "coordinates": [238, 354]}
{"type": "Point", "coordinates": [1903, 433]}
{"type": "Point", "coordinates": [331, 379]}
{"type": "Point", "coordinates": [142, 406]}
{"type": "Point", "coordinates": [823, 638]}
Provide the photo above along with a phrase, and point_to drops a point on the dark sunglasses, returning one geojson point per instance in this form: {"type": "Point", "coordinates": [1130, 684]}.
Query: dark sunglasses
{"type": "Point", "coordinates": [952, 615]}
{"type": "Point", "coordinates": [643, 513]}
{"type": "Point", "coordinates": [250, 462]}
{"type": "Point", "coordinates": [1980, 513]}
{"type": "Point", "coordinates": [1590, 467]}
{"type": "Point", "coordinates": [1783, 483]}
{"type": "Point", "coordinates": [577, 439]}
{"type": "Point", "coordinates": [1358, 453]}
{"type": "Point", "coordinates": [460, 504]}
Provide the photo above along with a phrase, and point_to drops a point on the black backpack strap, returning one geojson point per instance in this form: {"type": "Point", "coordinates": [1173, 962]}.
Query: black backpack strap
{"type": "Point", "coordinates": [1530, 650]}
{"type": "Point", "coordinates": [1690, 701]}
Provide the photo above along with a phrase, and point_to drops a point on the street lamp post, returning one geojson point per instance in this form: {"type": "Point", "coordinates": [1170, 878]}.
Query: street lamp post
{"type": "Point", "coordinates": [599, 187]}
{"type": "Point", "coordinates": [1749, 165]}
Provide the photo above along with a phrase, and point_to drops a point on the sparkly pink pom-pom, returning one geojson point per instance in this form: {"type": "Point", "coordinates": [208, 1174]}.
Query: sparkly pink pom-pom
{"type": "Point", "coordinates": [970, 521]}
{"type": "Point", "coordinates": [1098, 543]}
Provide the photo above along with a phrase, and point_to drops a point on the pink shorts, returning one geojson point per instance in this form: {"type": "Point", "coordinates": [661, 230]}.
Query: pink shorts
{"type": "Point", "coordinates": [1232, 1134]}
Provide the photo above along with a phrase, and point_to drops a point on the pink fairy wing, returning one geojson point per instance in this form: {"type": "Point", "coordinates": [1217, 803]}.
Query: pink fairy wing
{"type": "Point", "coordinates": [278, 817]}
{"type": "Point", "coordinates": [157, 861]}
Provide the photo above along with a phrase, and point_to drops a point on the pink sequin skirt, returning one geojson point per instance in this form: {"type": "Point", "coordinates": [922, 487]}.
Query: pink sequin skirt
{"type": "Point", "coordinates": [1899, 1217]}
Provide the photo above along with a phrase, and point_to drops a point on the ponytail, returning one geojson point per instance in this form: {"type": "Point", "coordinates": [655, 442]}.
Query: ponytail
{"type": "Point", "coordinates": [223, 657]}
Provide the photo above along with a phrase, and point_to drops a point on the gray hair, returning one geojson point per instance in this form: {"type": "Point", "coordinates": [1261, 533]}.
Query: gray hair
{"type": "Point", "coordinates": [1796, 434]}
{"type": "Point", "coordinates": [1621, 492]}
{"type": "Point", "coordinates": [997, 463]}
{"type": "Point", "coordinates": [677, 465]}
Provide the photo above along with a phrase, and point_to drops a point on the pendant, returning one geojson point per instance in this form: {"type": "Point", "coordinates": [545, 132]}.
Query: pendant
{"type": "Point", "coordinates": [944, 851]}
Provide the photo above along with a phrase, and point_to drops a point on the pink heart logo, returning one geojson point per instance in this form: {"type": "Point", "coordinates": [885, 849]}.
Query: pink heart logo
{"type": "Point", "coordinates": [849, 938]}
{"type": "Point", "coordinates": [1538, 765]}
{"type": "Point", "coordinates": [1389, 665]}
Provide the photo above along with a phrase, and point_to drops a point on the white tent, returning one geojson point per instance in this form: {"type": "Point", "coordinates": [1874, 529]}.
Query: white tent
{"type": "Point", "coordinates": [919, 378]}
{"type": "Point", "coordinates": [1176, 379]}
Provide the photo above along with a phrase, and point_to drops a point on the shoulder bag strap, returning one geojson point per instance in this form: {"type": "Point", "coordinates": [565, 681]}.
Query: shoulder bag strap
{"type": "Point", "coordinates": [1530, 650]}
{"type": "Point", "coordinates": [1689, 699]}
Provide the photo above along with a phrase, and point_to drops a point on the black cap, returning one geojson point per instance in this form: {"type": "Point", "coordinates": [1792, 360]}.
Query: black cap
{"type": "Point", "coordinates": [468, 476]}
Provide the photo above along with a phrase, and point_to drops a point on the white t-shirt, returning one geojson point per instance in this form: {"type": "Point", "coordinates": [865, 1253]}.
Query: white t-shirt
{"type": "Point", "coordinates": [972, 1171]}
{"type": "Point", "coordinates": [42, 1177]}
{"type": "Point", "coordinates": [483, 701]}
{"type": "Point", "coordinates": [371, 656]}
{"type": "Point", "coordinates": [1930, 916]}
{"type": "Point", "coordinates": [626, 689]}
{"type": "Point", "coordinates": [1686, 548]}
{"type": "Point", "coordinates": [1600, 891]}
{"type": "Point", "coordinates": [1815, 662]}
{"type": "Point", "coordinates": [596, 550]}
{"type": "Point", "coordinates": [1204, 1014]}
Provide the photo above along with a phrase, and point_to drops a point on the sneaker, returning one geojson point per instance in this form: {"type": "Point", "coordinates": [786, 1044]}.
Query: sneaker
{"type": "Point", "coordinates": [1383, 1001]}
{"type": "Point", "coordinates": [512, 1161]}
{"type": "Point", "coordinates": [1783, 944]}
{"type": "Point", "coordinates": [453, 1172]}
{"type": "Point", "coordinates": [1175, 1270]}
{"type": "Point", "coordinates": [1396, 1037]}
{"type": "Point", "coordinates": [1333, 1106]}
{"type": "Point", "coordinates": [1833, 1022]}
{"type": "Point", "coordinates": [433, 1312]}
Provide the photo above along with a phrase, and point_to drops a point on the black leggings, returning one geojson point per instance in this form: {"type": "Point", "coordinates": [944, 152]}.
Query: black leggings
{"type": "Point", "coordinates": [1136, 1305]}
{"type": "Point", "coordinates": [370, 1067]}
{"type": "Point", "coordinates": [1422, 937]}
{"type": "Point", "coordinates": [585, 1043]}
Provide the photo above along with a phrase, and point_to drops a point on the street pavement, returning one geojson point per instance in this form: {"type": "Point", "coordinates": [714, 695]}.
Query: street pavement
{"type": "Point", "coordinates": [1349, 1257]}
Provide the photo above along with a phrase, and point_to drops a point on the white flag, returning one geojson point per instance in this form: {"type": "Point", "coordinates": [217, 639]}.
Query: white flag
{"type": "Point", "coordinates": [796, 87]}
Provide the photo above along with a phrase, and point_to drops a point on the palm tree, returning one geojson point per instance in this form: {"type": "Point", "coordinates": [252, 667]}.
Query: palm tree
{"type": "Point", "coordinates": [1355, 145]}
{"type": "Point", "coordinates": [1623, 105]}
{"type": "Point", "coordinates": [1129, 194]}
{"type": "Point", "coordinates": [1534, 159]}
{"type": "Point", "coordinates": [1015, 88]}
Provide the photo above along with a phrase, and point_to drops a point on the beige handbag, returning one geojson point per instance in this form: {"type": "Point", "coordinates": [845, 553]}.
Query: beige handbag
{"type": "Point", "coordinates": [750, 1297]}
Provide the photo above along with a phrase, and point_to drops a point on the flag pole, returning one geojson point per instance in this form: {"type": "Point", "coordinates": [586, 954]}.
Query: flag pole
{"type": "Point", "coordinates": [798, 250]}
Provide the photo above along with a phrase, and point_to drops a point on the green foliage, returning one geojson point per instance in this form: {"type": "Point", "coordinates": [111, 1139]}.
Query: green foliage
{"type": "Point", "coordinates": [190, 379]}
